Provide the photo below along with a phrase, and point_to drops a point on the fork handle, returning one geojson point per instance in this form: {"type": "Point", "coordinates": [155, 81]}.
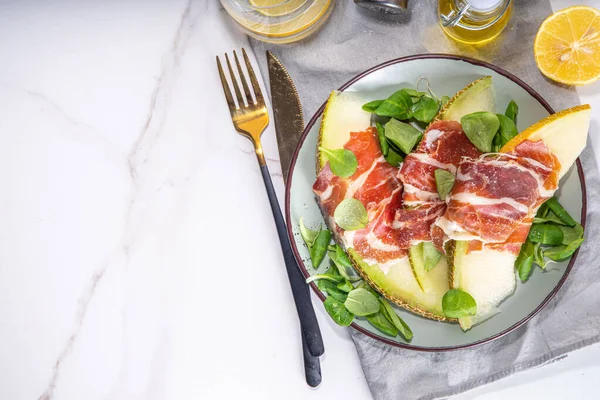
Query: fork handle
{"type": "Point", "coordinates": [306, 313]}
{"type": "Point", "coordinates": [312, 365]}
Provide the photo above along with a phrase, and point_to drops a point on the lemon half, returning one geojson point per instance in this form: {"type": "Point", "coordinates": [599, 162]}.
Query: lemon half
{"type": "Point", "coordinates": [567, 46]}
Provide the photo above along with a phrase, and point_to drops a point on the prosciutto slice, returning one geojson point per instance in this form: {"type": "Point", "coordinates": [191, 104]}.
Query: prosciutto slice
{"type": "Point", "coordinates": [392, 228]}
{"type": "Point", "coordinates": [443, 146]}
{"type": "Point", "coordinates": [495, 196]}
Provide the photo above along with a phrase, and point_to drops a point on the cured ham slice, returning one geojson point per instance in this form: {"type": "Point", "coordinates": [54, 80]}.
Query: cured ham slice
{"type": "Point", "coordinates": [392, 229]}
{"type": "Point", "coordinates": [496, 196]}
{"type": "Point", "coordinates": [443, 146]}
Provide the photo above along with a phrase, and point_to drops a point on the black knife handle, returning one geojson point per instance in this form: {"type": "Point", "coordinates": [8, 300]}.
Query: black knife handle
{"type": "Point", "coordinates": [306, 313]}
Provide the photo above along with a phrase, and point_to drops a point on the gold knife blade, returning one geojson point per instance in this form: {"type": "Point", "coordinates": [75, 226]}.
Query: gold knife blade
{"type": "Point", "coordinates": [287, 112]}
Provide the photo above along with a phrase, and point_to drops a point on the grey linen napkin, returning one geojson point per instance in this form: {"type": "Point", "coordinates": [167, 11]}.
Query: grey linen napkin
{"type": "Point", "coordinates": [354, 40]}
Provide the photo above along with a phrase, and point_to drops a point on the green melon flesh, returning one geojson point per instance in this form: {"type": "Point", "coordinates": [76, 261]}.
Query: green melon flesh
{"type": "Point", "coordinates": [487, 275]}
{"type": "Point", "coordinates": [343, 114]}
{"type": "Point", "coordinates": [477, 96]}
{"type": "Point", "coordinates": [426, 279]}
{"type": "Point", "coordinates": [399, 285]}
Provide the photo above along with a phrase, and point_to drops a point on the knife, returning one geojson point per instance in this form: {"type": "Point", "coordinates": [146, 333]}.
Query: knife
{"type": "Point", "coordinates": [287, 112]}
{"type": "Point", "coordinates": [289, 125]}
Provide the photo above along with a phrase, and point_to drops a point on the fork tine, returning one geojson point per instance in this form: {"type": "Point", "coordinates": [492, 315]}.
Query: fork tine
{"type": "Point", "coordinates": [236, 88]}
{"type": "Point", "coordinates": [243, 79]}
{"type": "Point", "coordinates": [257, 92]}
{"type": "Point", "coordinates": [225, 85]}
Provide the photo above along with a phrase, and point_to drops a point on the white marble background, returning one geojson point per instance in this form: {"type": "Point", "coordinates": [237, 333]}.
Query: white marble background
{"type": "Point", "coordinates": [138, 257]}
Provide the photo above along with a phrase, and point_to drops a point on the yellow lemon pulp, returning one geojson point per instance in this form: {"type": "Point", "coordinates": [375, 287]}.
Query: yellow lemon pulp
{"type": "Point", "coordinates": [567, 46]}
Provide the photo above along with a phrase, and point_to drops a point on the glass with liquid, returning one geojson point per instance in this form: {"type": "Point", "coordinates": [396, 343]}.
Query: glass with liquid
{"type": "Point", "coordinates": [474, 21]}
{"type": "Point", "coordinates": [279, 21]}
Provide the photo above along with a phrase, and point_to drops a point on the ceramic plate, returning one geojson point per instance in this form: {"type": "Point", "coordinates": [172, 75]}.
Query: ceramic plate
{"type": "Point", "coordinates": [446, 75]}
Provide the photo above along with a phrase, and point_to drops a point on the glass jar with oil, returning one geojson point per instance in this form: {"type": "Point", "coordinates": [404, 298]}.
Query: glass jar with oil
{"type": "Point", "coordinates": [474, 21]}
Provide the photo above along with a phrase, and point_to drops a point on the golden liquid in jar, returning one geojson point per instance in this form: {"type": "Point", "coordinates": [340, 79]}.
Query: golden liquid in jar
{"type": "Point", "coordinates": [282, 21]}
{"type": "Point", "coordinates": [475, 27]}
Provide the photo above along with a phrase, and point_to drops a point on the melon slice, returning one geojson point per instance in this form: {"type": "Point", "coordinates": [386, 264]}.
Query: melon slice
{"type": "Point", "coordinates": [564, 133]}
{"type": "Point", "coordinates": [343, 114]}
{"type": "Point", "coordinates": [476, 96]}
{"type": "Point", "coordinates": [487, 275]}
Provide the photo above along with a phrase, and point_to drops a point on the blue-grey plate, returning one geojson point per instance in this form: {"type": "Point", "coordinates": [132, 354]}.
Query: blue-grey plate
{"type": "Point", "coordinates": [446, 74]}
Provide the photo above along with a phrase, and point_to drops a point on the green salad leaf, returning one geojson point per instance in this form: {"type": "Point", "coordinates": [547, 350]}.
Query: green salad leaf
{"type": "Point", "coordinates": [425, 108]}
{"type": "Point", "coordinates": [507, 131]}
{"type": "Point", "coordinates": [402, 135]}
{"type": "Point", "coordinates": [524, 262]}
{"type": "Point", "coordinates": [431, 255]}
{"type": "Point", "coordinates": [308, 235]}
{"type": "Point", "coordinates": [543, 211]}
{"type": "Point", "coordinates": [444, 181]}
{"type": "Point", "coordinates": [365, 285]}
{"type": "Point", "coordinates": [481, 127]}
{"type": "Point", "coordinates": [383, 144]}
{"type": "Point", "coordinates": [336, 293]}
{"type": "Point", "coordinates": [546, 234]}
{"type": "Point", "coordinates": [372, 105]}
{"type": "Point", "coordinates": [512, 110]}
{"type": "Point", "coordinates": [550, 218]}
{"type": "Point", "coordinates": [381, 323]}
{"type": "Point", "coordinates": [345, 286]}
{"type": "Point", "coordinates": [415, 94]}
{"type": "Point", "coordinates": [457, 303]}
{"type": "Point", "coordinates": [342, 162]}
{"type": "Point", "coordinates": [323, 284]}
{"type": "Point", "coordinates": [538, 255]}
{"type": "Point", "coordinates": [338, 312]}
{"type": "Point", "coordinates": [319, 248]}
{"type": "Point", "coordinates": [398, 322]}
{"type": "Point", "coordinates": [316, 241]}
{"type": "Point", "coordinates": [351, 215]}
{"type": "Point", "coordinates": [397, 106]}
{"type": "Point", "coordinates": [330, 277]}
{"type": "Point", "coordinates": [394, 158]}
{"type": "Point", "coordinates": [361, 302]}
{"type": "Point", "coordinates": [553, 204]}
{"type": "Point", "coordinates": [559, 253]}
{"type": "Point", "coordinates": [570, 234]}
{"type": "Point", "coordinates": [343, 263]}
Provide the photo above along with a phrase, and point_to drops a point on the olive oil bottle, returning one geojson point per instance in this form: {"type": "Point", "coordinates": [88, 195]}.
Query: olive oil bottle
{"type": "Point", "coordinates": [474, 21]}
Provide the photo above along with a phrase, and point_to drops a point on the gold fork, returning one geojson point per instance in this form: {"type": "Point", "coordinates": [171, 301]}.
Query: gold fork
{"type": "Point", "coordinates": [250, 118]}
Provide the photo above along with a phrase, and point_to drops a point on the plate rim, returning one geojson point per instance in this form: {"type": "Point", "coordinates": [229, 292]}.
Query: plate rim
{"type": "Point", "coordinates": [312, 122]}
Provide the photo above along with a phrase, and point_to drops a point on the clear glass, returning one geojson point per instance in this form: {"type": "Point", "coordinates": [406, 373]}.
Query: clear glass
{"type": "Point", "coordinates": [279, 21]}
{"type": "Point", "coordinates": [474, 21]}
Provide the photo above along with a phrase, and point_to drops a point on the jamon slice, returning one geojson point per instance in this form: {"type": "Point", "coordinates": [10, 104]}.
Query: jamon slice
{"type": "Point", "coordinates": [492, 195]}
{"type": "Point", "coordinates": [374, 183]}
{"type": "Point", "coordinates": [443, 146]}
